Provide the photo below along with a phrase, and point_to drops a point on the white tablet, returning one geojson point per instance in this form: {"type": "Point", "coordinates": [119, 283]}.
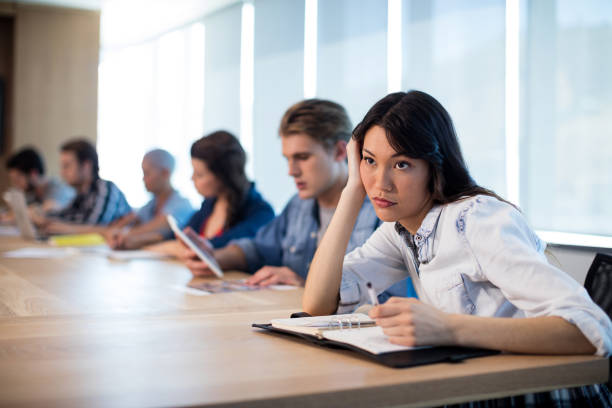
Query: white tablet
{"type": "Point", "coordinates": [209, 260]}
{"type": "Point", "coordinates": [17, 202]}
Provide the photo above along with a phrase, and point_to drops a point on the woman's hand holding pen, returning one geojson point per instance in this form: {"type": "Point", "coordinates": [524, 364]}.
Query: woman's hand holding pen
{"type": "Point", "coordinates": [410, 322]}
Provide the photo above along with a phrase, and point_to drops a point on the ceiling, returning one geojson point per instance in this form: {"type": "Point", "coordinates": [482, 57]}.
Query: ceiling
{"type": "Point", "coordinates": [126, 22]}
{"type": "Point", "coordinates": [82, 4]}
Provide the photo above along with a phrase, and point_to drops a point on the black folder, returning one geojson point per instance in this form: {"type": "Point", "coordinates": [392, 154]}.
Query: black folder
{"type": "Point", "coordinates": [395, 359]}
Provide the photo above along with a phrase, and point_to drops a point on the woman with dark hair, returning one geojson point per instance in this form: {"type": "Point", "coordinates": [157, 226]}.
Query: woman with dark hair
{"type": "Point", "coordinates": [477, 267]}
{"type": "Point", "coordinates": [232, 207]}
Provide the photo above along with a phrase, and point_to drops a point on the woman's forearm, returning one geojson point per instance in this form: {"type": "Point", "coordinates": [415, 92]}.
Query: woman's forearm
{"type": "Point", "coordinates": [325, 273]}
{"type": "Point", "coordinates": [536, 335]}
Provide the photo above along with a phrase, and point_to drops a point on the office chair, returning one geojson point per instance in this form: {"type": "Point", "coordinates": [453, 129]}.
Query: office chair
{"type": "Point", "coordinates": [598, 284]}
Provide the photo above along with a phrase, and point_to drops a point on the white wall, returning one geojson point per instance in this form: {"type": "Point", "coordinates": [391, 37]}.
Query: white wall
{"type": "Point", "coordinates": [574, 260]}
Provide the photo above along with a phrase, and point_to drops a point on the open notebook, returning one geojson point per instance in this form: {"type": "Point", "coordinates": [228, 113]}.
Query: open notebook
{"type": "Point", "coordinates": [357, 332]}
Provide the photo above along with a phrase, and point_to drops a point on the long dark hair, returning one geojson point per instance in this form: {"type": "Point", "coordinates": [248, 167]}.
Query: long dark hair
{"type": "Point", "coordinates": [225, 158]}
{"type": "Point", "coordinates": [418, 126]}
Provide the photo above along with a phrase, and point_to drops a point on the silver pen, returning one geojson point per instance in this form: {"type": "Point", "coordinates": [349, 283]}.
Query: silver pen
{"type": "Point", "coordinates": [372, 294]}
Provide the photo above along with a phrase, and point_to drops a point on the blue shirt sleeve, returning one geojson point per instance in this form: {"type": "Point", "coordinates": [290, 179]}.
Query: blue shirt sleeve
{"type": "Point", "coordinates": [179, 207]}
{"type": "Point", "coordinates": [265, 248]}
{"type": "Point", "coordinates": [258, 214]}
{"type": "Point", "coordinates": [110, 206]}
{"type": "Point", "coordinates": [145, 213]}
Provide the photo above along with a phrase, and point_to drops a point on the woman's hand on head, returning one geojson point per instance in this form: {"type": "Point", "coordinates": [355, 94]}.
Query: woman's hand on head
{"type": "Point", "coordinates": [410, 322]}
{"type": "Point", "coordinates": [354, 160]}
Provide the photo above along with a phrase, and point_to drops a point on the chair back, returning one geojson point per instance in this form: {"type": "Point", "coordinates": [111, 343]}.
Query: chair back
{"type": "Point", "coordinates": [598, 282]}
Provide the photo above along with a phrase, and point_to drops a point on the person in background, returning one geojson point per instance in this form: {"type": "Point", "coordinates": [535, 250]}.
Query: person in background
{"type": "Point", "coordinates": [97, 203]}
{"type": "Point", "coordinates": [149, 225]}
{"type": "Point", "coordinates": [26, 172]}
{"type": "Point", "coordinates": [314, 134]}
{"type": "Point", "coordinates": [478, 268]}
{"type": "Point", "coordinates": [232, 207]}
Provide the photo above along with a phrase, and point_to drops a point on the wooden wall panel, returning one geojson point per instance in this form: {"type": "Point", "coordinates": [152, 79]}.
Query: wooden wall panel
{"type": "Point", "coordinates": [56, 78]}
{"type": "Point", "coordinates": [6, 74]}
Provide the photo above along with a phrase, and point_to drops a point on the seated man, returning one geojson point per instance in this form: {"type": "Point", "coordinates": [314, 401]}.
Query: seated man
{"type": "Point", "coordinates": [26, 172]}
{"type": "Point", "coordinates": [314, 135]}
{"type": "Point", "coordinates": [98, 202]}
{"type": "Point", "coordinates": [149, 224]}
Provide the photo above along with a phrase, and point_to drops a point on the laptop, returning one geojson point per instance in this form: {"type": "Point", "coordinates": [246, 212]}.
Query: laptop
{"type": "Point", "coordinates": [17, 203]}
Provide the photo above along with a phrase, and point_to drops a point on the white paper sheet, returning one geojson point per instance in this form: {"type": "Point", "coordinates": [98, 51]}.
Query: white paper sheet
{"type": "Point", "coordinates": [371, 339]}
{"type": "Point", "coordinates": [137, 254]}
{"type": "Point", "coordinates": [40, 253]}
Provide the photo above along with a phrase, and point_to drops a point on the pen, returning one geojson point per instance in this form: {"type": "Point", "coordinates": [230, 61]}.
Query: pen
{"type": "Point", "coordinates": [372, 294]}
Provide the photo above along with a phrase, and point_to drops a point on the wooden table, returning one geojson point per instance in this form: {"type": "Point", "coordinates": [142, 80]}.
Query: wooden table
{"type": "Point", "coordinates": [87, 331]}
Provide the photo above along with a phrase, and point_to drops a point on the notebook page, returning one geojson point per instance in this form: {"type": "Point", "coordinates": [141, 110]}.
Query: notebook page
{"type": "Point", "coordinates": [371, 339]}
{"type": "Point", "coordinates": [323, 321]}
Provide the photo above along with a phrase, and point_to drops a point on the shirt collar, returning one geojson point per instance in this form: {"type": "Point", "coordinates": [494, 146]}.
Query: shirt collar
{"type": "Point", "coordinates": [429, 224]}
{"type": "Point", "coordinates": [422, 242]}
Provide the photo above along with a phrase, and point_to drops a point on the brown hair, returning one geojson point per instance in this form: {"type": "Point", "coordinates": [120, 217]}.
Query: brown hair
{"type": "Point", "coordinates": [84, 151]}
{"type": "Point", "coordinates": [225, 158]}
{"type": "Point", "coordinates": [325, 121]}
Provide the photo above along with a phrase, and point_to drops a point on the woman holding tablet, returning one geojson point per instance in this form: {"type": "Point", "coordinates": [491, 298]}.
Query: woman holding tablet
{"type": "Point", "coordinates": [478, 268]}
{"type": "Point", "coordinates": [232, 207]}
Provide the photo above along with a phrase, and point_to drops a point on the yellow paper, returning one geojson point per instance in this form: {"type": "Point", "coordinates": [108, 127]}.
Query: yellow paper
{"type": "Point", "coordinates": [77, 240]}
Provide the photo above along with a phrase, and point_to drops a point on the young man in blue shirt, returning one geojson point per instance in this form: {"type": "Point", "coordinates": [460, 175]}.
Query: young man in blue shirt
{"type": "Point", "coordinates": [97, 203]}
{"type": "Point", "coordinates": [314, 134]}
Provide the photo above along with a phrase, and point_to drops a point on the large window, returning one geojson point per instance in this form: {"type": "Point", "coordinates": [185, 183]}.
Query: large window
{"type": "Point", "coordinates": [527, 83]}
{"type": "Point", "coordinates": [566, 138]}
{"type": "Point", "coordinates": [454, 50]}
{"type": "Point", "coordinates": [151, 96]}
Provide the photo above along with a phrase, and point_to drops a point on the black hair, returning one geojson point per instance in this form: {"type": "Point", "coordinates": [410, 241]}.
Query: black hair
{"type": "Point", "coordinates": [418, 126]}
{"type": "Point", "coordinates": [25, 161]}
{"type": "Point", "coordinates": [84, 151]}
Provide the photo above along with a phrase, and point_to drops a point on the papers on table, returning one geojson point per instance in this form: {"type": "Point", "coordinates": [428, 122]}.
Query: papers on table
{"type": "Point", "coordinates": [136, 254]}
{"type": "Point", "coordinates": [40, 253]}
{"type": "Point", "coordinates": [225, 286]}
{"type": "Point", "coordinates": [9, 231]}
{"type": "Point", "coordinates": [190, 291]}
{"type": "Point", "coordinates": [58, 253]}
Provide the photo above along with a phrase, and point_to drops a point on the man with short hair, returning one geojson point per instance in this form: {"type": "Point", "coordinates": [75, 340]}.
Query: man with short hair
{"type": "Point", "coordinates": [314, 134]}
{"type": "Point", "coordinates": [98, 202]}
{"type": "Point", "coordinates": [149, 224]}
{"type": "Point", "coordinates": [26, 172]}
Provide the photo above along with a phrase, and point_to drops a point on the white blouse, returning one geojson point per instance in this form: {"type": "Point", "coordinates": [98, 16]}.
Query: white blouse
{"type": "Point", "coordinates": [475, 256]}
